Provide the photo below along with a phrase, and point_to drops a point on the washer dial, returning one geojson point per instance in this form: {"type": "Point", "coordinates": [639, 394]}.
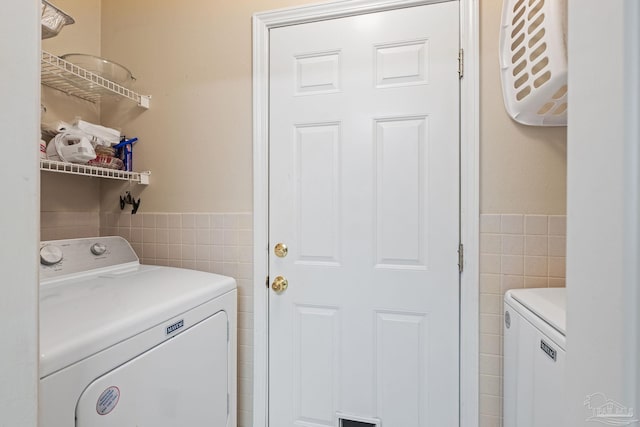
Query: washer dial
{"type": "Point", "coordinates": [50, 255]}
{"type": "Point", "coordinates": [98, 248]}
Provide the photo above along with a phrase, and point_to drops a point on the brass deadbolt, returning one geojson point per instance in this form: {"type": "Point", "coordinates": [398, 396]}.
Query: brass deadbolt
{"type": "Point", "coordinates": [281, 250]}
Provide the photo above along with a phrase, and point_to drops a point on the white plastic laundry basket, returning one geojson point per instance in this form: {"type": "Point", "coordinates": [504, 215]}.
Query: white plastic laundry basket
{"type": "Point", "coordinates": [533, 61]}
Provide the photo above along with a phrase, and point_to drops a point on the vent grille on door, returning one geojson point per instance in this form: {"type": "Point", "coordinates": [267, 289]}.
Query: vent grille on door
{"type": "Point", "coordinates": [353, 421]}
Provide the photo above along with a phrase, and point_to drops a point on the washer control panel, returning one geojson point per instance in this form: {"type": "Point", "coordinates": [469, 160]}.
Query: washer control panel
{"type": "Point", "coordinates": [63, 257]}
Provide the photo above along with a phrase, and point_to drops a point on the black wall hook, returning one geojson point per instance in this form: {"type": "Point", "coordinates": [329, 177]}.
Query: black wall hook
{"type": "Point", "coordinates": [129, 200]}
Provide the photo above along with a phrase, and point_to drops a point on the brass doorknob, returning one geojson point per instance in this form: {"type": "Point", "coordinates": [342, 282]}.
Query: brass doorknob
{"type": "Point", "coordinates": [281, 250]}
{"type": "Point", "coordinates": [280, 284]}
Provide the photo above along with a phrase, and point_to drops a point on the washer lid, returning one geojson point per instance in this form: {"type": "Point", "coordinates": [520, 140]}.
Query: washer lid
{"type": "Point", "coordinates": [83, 316]}
{"type": "Point", "coordinates": [549, 304]}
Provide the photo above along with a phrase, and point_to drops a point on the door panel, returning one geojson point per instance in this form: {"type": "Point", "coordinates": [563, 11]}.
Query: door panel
{"type": "Point", "coordinates": [400, 366]}
{"type": "Point", "coordinates": [317, 175]}
{"type": "Point", "coordinates": [400, 216]}
{"type": "Point", "coordinates": [316, 360]}
{"type": "Point", "coordinates": [363, 189]}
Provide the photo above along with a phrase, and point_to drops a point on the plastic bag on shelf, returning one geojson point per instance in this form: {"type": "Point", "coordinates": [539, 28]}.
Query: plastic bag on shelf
{"type": "Point", "coordinates": [71, 147]}
{"type": "Point", "coordinates": [49, 130]}
{"type": "Point", "coordinates": [101, 135]}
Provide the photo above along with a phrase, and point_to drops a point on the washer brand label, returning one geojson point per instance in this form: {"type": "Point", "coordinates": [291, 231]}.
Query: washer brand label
{"type": "Point", "coordinates": [547, 349]}
{"type": "Point", "coordinates": [108, 400]}
{"type": "Point", "coordinates": [172, 328]}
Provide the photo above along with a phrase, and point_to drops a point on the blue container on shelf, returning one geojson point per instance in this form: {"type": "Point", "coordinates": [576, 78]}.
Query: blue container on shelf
{"type": "Point", "coordinates": [124, 151]}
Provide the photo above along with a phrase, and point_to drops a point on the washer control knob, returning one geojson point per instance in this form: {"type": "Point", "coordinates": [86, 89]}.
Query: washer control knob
{"type": "Point", "coordinates": [98, 248]}
{"type": "Point", "coordinates": [50, 255]}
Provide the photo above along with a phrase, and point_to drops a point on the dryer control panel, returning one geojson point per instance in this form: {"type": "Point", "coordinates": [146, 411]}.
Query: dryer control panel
{"type": "Point", "coordinates": [60, 258]}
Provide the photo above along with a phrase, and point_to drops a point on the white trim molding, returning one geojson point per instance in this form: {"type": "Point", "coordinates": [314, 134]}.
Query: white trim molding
{"type": "Point", "coordinates": [20, 225]}
{"type": "Point", "coordinates": [470, 214]}
{"type": "Point", "coordinates": [469, 196]}
{"type": "Point", "coordinates": [603, 207]}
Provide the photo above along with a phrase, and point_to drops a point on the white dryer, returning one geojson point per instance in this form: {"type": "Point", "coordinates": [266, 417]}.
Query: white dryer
{"type": "Point", "coordinates": [123, 344]}
{"type": "Point", "coordinates": [534, 357]}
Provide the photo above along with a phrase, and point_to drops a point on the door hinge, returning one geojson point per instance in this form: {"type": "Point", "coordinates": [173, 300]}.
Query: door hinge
{"type": "Point", "coordinates": [461, 63]}
{"type": "Point", "coordinates": [266, 282]}
{"type": "Point", "coordinates": [460, 257]}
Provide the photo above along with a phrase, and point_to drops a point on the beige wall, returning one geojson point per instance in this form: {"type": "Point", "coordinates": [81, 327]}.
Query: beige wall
{"type": "Point", "coordinates": [194, 57]}
{"type": "Point", "coordinates": [522, 168]}
{"type": "Point", "coordinates": [81, 37]}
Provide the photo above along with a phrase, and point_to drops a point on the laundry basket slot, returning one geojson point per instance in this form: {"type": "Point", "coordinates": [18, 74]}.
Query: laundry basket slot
{"type": "Point", "coordinates": [533, 61]}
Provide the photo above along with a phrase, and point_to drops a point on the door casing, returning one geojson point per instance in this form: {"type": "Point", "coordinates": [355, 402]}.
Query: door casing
{"type": "Point", "coordinates": [469, 188]}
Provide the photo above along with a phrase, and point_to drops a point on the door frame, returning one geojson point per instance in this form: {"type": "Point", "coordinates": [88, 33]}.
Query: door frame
{"type": "Point", "coordinates": [469, 188]}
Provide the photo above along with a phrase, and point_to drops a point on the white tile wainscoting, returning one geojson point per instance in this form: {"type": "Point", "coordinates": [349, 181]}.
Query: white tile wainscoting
{"type": "Point", "coordinates": [215, 242]}
{"type": "Point", "coordinates": [516, 251]}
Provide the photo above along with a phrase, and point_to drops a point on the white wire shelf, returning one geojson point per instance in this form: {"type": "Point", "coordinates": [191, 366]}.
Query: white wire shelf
{"type": "Point", "coordinates": [94, 171]}
{"type": "Point", "coordinates": [66, 77]}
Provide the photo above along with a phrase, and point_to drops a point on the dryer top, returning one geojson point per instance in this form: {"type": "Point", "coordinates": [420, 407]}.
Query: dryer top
{"type": "Point", "coordinates": [549, 304]}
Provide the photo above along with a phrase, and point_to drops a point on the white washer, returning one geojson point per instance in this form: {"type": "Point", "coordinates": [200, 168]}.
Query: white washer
{"type": "Point", "coordinates": [534, 357]}
{"type": "Point", "coordinates": [123, 344]}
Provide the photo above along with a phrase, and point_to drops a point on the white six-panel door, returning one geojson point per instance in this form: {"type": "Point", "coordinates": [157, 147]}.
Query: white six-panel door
{"type": "Point", "coordinates": [364, 192]}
